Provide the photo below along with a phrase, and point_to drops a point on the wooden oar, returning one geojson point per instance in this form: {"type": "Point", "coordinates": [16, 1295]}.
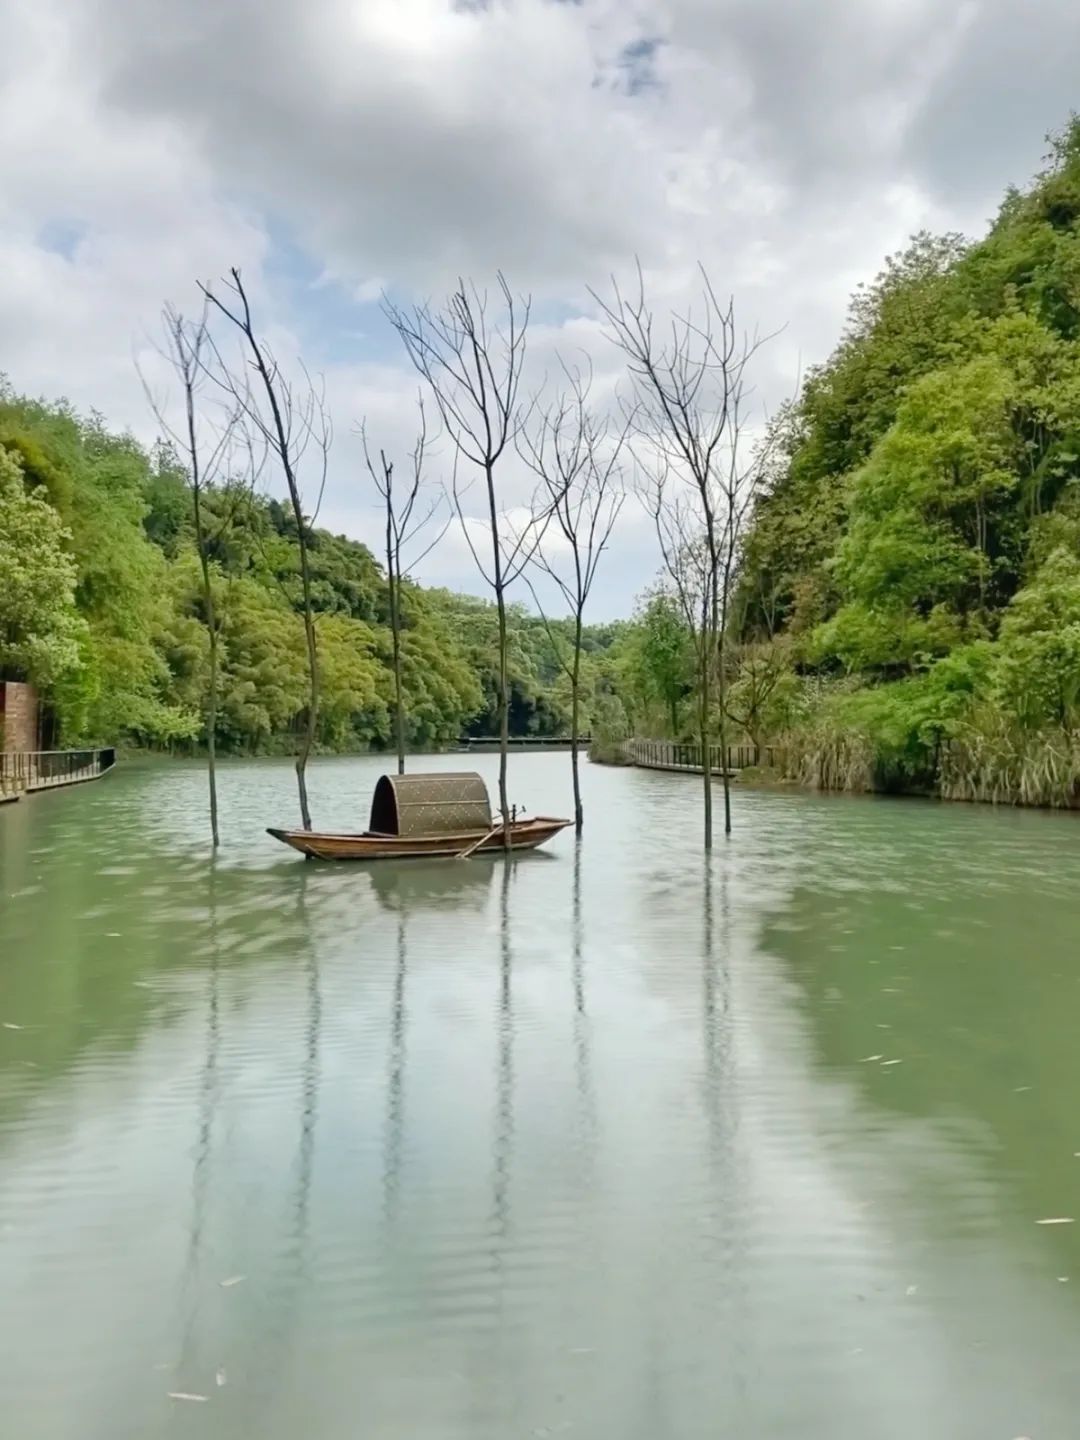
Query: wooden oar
{"type": "Point", "coordinates": [483, 839]}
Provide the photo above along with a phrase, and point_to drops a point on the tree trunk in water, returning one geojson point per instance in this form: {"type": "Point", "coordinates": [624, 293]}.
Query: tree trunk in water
{"type": "Point", "coordinates": [399, 698]}
{"type": "Point", "coordinates": [724, 771]}
{"type": "Point", "coordinates": [504, 719]}
{"type": "Point", "coordinates": [721, 695]}
{"type": "Point", "coordinates": [312, 715]}
{"type": "Point", "coordinates": [504, 689]}
{"type": "Point", "coordinates": [706, 766]}
{"type": "Point", "coordinates": [282, 434]}
{"type": "Point", "coordinates": [211, 721]}
{"type": "Point", "coordinates": [211, 624]}
{"type": "Point", "coordinates": [575, 711]}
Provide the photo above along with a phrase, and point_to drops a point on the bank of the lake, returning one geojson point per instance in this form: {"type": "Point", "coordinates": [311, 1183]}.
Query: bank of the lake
{"type": "Point", "coordinates": [785, 767]}
{"type": "Point", "coordinates": [611, 1141]}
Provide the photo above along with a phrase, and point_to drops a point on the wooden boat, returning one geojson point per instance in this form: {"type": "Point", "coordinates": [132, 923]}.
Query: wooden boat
{"type": "Point", "coordinates": [428, 814]}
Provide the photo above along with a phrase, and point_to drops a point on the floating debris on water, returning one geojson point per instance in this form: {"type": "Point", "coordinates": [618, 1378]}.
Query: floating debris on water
{"type": "Point", "coordinates": [184, 1395]}
{"type": "Point", "coordinates": [231, 1281]}
{"type": "Point", "coordinates": [1057, 1220]}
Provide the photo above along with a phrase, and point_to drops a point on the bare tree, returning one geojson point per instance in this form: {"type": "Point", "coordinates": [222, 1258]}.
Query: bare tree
{"type": "Point", "coordinates": [691, 388]}
{"type": "Point", "coordinates": [204, 458]}
{"type": "Point", "coordinates": [577, 459]}
{"type": "Point", "coordinates": [473, 368]}
{"type": "Point", "coordinates": [405, 523]}
{"type": "Point", "coordinates": [290, 423]}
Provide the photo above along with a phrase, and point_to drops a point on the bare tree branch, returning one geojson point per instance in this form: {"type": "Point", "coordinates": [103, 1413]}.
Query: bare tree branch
{"type": "Point", "coordinates": [577, 459]}
{"type": "Point", "coordinates": [691, 389]}
{"type": "Point", "coordinates": [289, 424]}
{"type": "Point", "coordinates": [404, 523]}
{"type": "Point", "coordinates": [473, 368]}
{"type": "Point", "coordinates": [183, 346]}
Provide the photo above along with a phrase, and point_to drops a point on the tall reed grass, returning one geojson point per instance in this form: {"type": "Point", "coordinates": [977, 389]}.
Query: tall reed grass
{"type": "Point", "coordinates": [827, 757]}
{"type": "Point", "coordinates": [998, 762]}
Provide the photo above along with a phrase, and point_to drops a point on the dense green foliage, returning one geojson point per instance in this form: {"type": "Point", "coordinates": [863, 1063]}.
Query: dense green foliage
{"type": "Point", "coordinates": [101, 607]}
{"type": "Point", "coordinates": [918, 553]}
{"type": "Point", "coordinates": [40, 628]}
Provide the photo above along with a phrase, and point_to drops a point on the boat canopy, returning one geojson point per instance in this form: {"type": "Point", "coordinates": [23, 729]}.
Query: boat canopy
{"type": "Point", "coordinates": [443, 803]}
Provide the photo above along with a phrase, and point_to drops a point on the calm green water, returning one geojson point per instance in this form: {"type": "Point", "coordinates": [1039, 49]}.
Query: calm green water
{"type": "Point", "coordinates": [602, 1143]}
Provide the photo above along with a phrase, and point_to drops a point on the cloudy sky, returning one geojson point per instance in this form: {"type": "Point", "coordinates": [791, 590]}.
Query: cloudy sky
{"type": "Point", "coordinates": [336, 148]}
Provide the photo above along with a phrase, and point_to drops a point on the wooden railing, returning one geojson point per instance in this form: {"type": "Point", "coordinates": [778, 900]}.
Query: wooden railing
{"type": "Point", "coordinates": [30, 770]}
{"type": "Point", "coordinates": [670, 755]}
{"type": "Point", "coordinates": [523, 742]}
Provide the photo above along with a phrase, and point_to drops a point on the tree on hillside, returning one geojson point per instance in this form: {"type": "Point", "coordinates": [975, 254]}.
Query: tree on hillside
{"type": "Point", "coordinates": [759, 699]}
{"type": "Point", "coordinates": [407, 540]}
{"type": "Point", "coordinates": [577, 459]}
{"type": "Point", "coordinates": [662, 662]}
{"type": "Point", "coordinates": [291, 424]}
{"type": "Point", "coordinates": [40, 628]}
{"type": "Point", "coordinates": [473, 367]}
{"type": "Point", "coordinates": [691, 386]}
{"type": "Point", "coordinates": [690, 573]}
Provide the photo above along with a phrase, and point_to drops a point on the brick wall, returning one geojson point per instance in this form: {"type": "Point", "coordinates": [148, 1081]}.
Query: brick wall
{"type": "Point", "coordinates": [18, 717]}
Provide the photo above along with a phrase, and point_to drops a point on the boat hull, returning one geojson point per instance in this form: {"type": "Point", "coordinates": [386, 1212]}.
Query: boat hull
{"type": "Point", "coordinates": [318, 845]}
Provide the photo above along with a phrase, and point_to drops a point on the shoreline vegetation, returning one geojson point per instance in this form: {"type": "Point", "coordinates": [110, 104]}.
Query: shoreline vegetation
{"type": "Point", "coordinates": [910, 589]}
{"type": "Point", "coordinates": [888, 592]}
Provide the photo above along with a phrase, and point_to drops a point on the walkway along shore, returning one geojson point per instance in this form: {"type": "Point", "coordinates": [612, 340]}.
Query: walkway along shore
{"type": "Point", "coordinates": [668, 755]}
{"type": "Point", "coordinates": [24, 772]}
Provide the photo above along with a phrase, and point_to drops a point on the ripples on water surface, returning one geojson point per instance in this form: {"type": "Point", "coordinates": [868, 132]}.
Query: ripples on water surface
{"type": "Point", "coordinates": [603, 1143]}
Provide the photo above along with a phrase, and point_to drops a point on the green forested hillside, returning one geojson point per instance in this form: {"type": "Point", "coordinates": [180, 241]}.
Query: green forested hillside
{"type": "Point", "coordinates": [915, 568]}
{"type": "Point", "coordinates": [101, 606]}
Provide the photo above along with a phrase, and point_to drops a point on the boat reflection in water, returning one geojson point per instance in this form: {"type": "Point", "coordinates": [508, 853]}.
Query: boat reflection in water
{"type": "Point", "coordinates": [405, 889]}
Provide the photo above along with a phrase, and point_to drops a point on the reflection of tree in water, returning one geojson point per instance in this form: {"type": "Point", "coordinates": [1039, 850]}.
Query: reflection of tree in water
{"type": "Point", "coordinates": [281, 1309]}
{"type": "Point", "coordinates": [504, 1074]}
{"type": "Point", "coordinates": [404, 888]}
{"type": "Point", "coordinates": [395, 1084]}
{"type": "Point", "coordinates": [280, 1315]}
{"type": "Point", "coordinates": [587, 1125]}
{"type": "Point", "coordinates": [309, 1091]}
{"type": "Point", "coordinates": [728, 1196]}
{"type": "Point", "coordinates": [209, 1091]}
{"type": "Point", "coordinates": [716, 997]}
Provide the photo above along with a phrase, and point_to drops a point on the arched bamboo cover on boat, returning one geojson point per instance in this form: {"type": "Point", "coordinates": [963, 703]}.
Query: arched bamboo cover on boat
{"type": "Point", "coordinates": [432, 804]}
